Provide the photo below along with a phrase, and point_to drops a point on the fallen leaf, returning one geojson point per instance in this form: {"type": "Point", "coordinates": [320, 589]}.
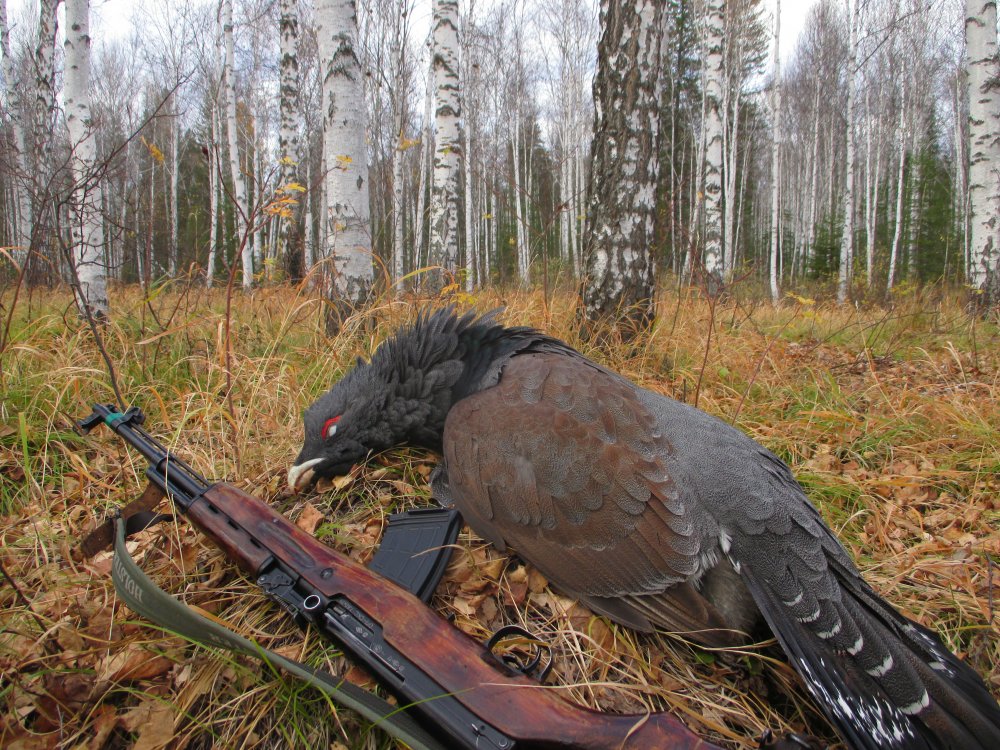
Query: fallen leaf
{"type": "Point", "coordinates": [132, 663]}
{"type": "Point", "coordinates": [291, 651]}
{"type": "Point", "coordinates": [536, 581]}
{"type": "Point", "coordinates": [357, 676]}
{"type": "Point", "coordinates": [309, 519]}
{"type": "Point", "coordinates": [105, 721]}
{"type": "Point", "coordinates": [158, 730]}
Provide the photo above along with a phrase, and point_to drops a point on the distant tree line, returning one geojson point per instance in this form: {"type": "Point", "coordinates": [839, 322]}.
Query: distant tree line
{"type": "Point", "coordinates": [394, 143]}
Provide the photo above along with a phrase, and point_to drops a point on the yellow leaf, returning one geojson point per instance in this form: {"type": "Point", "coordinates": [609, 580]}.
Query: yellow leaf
{"type": "Point", "coordinates": [288, 161]}
{"type": "Point", "coordinates": [292, 187]}
{"type": "Point", "coordinates": [487, 216]}
{"type": "Point", "coordinates": [801, 300]}
{"type": "Point", "coordinates": [153, 150]}
{"type": "Point", "coordinates": [343, 158]}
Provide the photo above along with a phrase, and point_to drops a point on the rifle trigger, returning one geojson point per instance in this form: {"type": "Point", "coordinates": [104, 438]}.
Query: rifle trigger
{"type": "Point", "coordinates": [525, 663]}
{"type": "Point", "coordinates": [280, 588]}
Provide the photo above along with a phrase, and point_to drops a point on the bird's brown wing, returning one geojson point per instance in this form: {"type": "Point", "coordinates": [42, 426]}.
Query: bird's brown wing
{"type": "Point", "coordinates": [562, 462]}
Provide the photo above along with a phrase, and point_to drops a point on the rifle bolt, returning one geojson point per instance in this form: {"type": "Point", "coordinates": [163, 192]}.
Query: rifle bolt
{"type": "Point", "coordinates": [326, 573]}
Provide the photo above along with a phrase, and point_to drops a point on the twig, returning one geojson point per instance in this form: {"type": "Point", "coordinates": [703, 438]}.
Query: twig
{"type": "Point", "coordinates": [712, 300]}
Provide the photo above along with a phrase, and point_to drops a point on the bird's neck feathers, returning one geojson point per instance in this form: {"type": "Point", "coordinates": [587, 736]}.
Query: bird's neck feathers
{"type": "Point", "coordinates": [440, 359]}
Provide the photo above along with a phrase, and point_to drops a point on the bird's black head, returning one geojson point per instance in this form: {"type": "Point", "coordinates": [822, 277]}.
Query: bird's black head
{"type": "Point", "coordinates": [343, 426]}
{"type": "Point", "coordinates": [401, 397]}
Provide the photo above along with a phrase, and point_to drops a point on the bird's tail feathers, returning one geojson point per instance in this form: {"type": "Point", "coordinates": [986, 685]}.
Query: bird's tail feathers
{"type": "Point", "coordinates": [863, 715]}
{"type": "Point", "coordinates": [959, 709]}
{"type": "Point", "coordinates": [897, 687]}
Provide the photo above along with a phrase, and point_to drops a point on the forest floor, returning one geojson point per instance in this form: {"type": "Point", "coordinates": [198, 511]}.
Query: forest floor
{"type": "Point", "coordinates": [888, 417]}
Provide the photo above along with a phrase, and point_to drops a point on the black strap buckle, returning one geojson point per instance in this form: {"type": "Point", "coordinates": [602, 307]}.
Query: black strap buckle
{"type": "Point", "coordinates": [524, 661]}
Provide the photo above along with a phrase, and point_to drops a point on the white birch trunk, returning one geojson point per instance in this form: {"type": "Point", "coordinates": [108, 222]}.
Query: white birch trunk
{"type": "Point", "coordinates": [897, 234]}
{"type": "Point", "coordinates": [21, 184]}
{"type": "Point", "coordinates": [398, 177]}
{"type": "Point", "coordinates": [775, 159]}
{"type": "Point", "coordinates": [523, 265]}
{"type": "Point", "coordinates": [470, 254]}
{"type": "Point", "coordinates": [447, 143]}
{"type": "Point", "coordinates": [288, 133]}
{"type": "Point", "coordinates": [86, 223]}
{"type": "Point", "coordinates": [399, 111]}
{"type": "Point", "coordinates": [528, 190]}
{"type": "Point", "coordinates": [175, 126]}
{"type": "Point", "coordinates": [715, 79]}
{"type": "Point", "coordinates": [241, 212]}
{"type": "Point", "coordinates": [984, 148]}
{"type": "Point", "coordinates": [872, 176]}
{"type": "Point", "coordinates": [847, 238]}
{"type": "Point", "coordinates": [426, 148]}
{"type": "Point", "coordinates": [732, 100]}
{"type": "Point", "coordinates": [43, 113]}
{"type": "Point", "coordinates": [346, 231]}
{"type": "Point", "coordinates": [565, 214]}
{"type": "Point", "coordinates": [625, 170]}
{"type": "Point", "coordinates": [255, 187]}
{"type": "Point", "coordinates": [213, 196]}
{"type": "Point", "coordinates": [960, 193]}
{"type": "Point", "coordinates": [308, 249]}
{"type": "Point", "coordinates": [813, 186]}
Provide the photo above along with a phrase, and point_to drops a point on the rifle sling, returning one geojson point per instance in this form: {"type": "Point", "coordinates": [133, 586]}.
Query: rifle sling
{"type": "Point", "coordinates": [145, 598]}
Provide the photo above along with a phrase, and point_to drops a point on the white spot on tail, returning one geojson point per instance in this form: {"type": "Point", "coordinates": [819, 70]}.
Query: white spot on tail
{"type": "Point", "coordinates": [824, 634]}
{"type": "Point", "coordinates": [882, 668]}
{"type": "Point", "coordinates": [920, 705]}
{"type": "Point", "coordinates": [794, 601]}
{"type": "Point", "coordinates": [858, 645]}
{"type": "Point", "coordinates": [810, 618]}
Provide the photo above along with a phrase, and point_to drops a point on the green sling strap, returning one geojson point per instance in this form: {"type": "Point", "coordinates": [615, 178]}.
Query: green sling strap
{"type": "Point", "coordinates": [147, 599]}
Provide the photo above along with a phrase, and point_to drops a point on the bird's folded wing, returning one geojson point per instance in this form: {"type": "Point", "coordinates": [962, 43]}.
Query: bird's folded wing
{"type": "Point", "coordinates": [563, 463]}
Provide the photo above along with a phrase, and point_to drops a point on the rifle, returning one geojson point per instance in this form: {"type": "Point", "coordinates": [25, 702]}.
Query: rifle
{"type": "Point", "coordinates": [450, 683]}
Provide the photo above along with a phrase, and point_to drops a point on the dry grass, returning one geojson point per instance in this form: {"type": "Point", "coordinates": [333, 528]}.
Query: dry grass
{"type": "Point", "coordinates": [889, 419]}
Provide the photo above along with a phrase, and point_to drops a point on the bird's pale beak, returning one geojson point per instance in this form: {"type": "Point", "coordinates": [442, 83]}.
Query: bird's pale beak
{"type": "Point", "coordinates": [301, 474]}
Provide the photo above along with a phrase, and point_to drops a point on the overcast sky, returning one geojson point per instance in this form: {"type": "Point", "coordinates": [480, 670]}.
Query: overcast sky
{"type": "Point", "coordinates": [111, 18]}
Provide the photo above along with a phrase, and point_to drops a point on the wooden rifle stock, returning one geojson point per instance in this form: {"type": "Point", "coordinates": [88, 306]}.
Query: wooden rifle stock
{"type": "Point", "coordinates": [533, 715]}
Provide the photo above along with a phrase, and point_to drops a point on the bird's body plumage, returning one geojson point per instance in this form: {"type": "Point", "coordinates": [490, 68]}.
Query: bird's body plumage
{"type": "Point", "coordinates": [652, 512]}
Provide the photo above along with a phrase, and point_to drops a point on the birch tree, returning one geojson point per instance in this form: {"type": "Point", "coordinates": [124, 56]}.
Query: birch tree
{"type": "Point", "coordinates": [447, 138]}
{"type": "Point", "coordinates": [775, 158]}
{"type": "Point", "coordinates": [401, 79]}
{"type": "Point", "coordinates": [291, 125]}
{"type": "Point", "coordinates": [22, 186]}
{"type": "Point", "coordinates": [847, 238]}
{"type": "Point", "coordinates": [619, 284]}
{"type": "Point", "coordinates": [241, 195]}
{"type": "Point", "coordinates": [346, 237]}
{"type": "Point", "coordinates": [466, 75]}
{"type": "Point", "coordinates": [715, 78]}
{"type": "Point", "coordinates": [983, 71]}
{"type": "Point", "coordinates": [43, 115]}
{"type": "Point", "coordinates": [87, 227]}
